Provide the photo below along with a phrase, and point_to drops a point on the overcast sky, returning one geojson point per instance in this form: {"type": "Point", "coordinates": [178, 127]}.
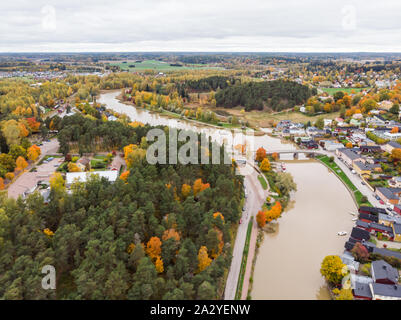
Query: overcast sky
{"type": "Point", "coordinates": [200, 25]}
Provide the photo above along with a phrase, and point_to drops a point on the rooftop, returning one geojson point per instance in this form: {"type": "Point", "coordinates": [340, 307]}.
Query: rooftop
{"type": "Point", "coordinates": [72, 177]}
{"type": "Point", "coordinates": [386, 290]}
{"type": "Point", "coordinates": [382, 270]}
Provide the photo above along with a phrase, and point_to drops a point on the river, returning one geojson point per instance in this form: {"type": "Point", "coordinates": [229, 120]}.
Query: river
{"type": "Point", "coordinates": [288, 263]}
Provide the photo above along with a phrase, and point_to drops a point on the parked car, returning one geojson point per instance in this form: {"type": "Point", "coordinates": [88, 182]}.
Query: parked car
{"type": "Point", "coordinates": [240, 221]}
{"type": "Point", "coordinates": [381, 202]}
{"type": "Point", "coordinates": [363, 183]}
{"type": "Point", "coordinates": [377, 197]}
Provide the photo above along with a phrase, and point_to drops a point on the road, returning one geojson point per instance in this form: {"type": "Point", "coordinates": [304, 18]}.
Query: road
{"type": "Point", "coordinates": [28, 180]}
{"type": "Point", "coordinates": [253, 203]}
{"type": "Point", "coordinates": [355, 179]}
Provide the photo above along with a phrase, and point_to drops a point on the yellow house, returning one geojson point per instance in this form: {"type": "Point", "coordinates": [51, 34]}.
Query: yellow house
{"type": "Point", "coordinates": [397, 232]}
{"type": "Point", "coordinates": [386, 220]}
{"type": "Point", "coordinates": [362, 168]}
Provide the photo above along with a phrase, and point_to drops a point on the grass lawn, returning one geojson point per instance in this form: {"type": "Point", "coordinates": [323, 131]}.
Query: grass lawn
{"type": "Point", "coordinates": [340, 173]}
{"type": "Point", "coordinates": [156, 65]}
{"type": "Point", "coordinates": [240, 283]}
{"type": "Point", "coordinates": [264, 118]}
{"type": "Point", "coordinates": [262, 182]}
{"type": "Point", "coordinates": [331, 91]}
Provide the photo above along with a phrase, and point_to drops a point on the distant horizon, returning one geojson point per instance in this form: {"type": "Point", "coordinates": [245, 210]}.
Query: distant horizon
{"type": "Point", "coordinates": [206, 52]}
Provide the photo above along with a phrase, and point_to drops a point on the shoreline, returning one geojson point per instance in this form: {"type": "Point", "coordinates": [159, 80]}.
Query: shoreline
{"type": "Point", "coordinates": [257, 130]}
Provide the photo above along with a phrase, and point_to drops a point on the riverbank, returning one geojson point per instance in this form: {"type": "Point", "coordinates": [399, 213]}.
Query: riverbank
{"type": "Point", "coordinates": [359, 198]}
{"type": "Point", "coordinates": [173, 115]}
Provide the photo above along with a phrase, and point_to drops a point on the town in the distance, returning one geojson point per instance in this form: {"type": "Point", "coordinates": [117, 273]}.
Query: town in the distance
{"type": "Point", "coordinates": [308, 207]}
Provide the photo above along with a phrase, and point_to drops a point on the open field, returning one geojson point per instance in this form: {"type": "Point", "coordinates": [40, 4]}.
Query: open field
{"type": "Point", "coordinates": [265, 119]}
{"type": "Point", "coordinates": [331, 91]}
{"type": "Point", "coordinates": [156, 65]}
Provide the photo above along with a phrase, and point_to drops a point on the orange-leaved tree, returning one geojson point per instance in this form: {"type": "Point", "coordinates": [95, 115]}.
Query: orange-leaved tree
{"type": "Point", "coordinates": [159, 265]}
{"type": "Point", "coordinates": [124, 175]}
{"type": "Point", "coordinates": [199, 186]}
{"type": "Point", "coordinates": [21, 163]}
{"type": "Point", "coordinates": [260, 154]}
{"type": "Point", "coordinates": [33, 152]}
{"type": "Point", "coordinates": [171, 233]}
{"type": "Point", "coordinates": [203, 258]}
{"type": "Point", "coordinates": [275, 212]}
{"type": "Point", "coordinates": [261, 219]}
{"type": "Point", "coordinates": [154, 247]}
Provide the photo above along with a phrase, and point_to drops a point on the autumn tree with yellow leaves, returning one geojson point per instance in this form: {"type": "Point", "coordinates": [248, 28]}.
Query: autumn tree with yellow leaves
{"type": "Point", "coordinates": [333, 269]}
{"type": "Point", "coordinates": [159, 265]}
{"type": "Point", "coordinates": [21, 163]}
{"type": "Point", "coordinates": [203, 259]}
{"type": "Point", "coordinates": [33, 152]}
{"type": "Point", "coordinates": [265, 165]}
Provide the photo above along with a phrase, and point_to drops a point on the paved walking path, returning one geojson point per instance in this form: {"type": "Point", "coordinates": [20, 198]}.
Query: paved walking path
{"type": "Point", "coordinates": [253, 203]}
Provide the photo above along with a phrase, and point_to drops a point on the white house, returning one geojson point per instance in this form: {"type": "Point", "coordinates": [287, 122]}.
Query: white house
{"type": "Point", "coordinates": [72, 177]}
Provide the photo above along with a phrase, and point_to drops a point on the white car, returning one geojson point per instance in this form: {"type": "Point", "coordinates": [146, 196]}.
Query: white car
{"type": "Point", "coordinates": [341, 233]}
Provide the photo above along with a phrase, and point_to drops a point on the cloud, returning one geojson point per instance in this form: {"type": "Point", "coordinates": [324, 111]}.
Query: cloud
{"type": "Point", "coordinates": [207, 25]}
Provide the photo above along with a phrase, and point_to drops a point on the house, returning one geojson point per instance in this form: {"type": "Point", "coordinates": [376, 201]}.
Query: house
{"type": "Point", "coordinates": [360, 234]}
{"type": "Point", "coordinates": [349, 155]}
{"type": "Point", "coordinates": [388, 220]}
{"type": "Point", "coordinates": [385, 292]}
{"type": "Point", "coordinates": [371, 210]}
{"type": "Point", "coordinates": [389, 146]}
{"type": "Point", "coordinates": [361, 291]}
{"type": "Point", "coordinates": [397, 208]}
{"type": "Point", "coordinates": [397, 231]}
{"type": "Point", "coordinates": [349, 245]}
{"type": "Point", "coordinates": [370, 149]}
{"type": "Point", "coordinates": [389, 195]}
{"type": "Point", "coordinates": [395, 182]}
{"type": "Point", "coordinates": [373, 227]}
{"type": "Point", "coordinates": [368, 143]}
{"type": "Point", "coordinates": [83, 164]}
{"type": "Point", "coordinates": [382, 272]}
{"type": "Point", "coordinates": [364, 168]}
{"type": "Point", "coordinates": [386, 252]}
{"type": "Point", "coordinates": [391, 136]}
{"type": "Point", "coordinates": [348, 259]}
{"type": "Point", "coordinates": [366, 217]}
{"type": "Point", "coordinates": [72, 177]}
{"type": "Point", "coordinates": [331, 145]}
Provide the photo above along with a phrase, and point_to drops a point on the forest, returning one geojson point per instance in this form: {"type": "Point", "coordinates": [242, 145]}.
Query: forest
{"type": "Point", "coordinates": [159, 232]}
{"type": "Point", "coordinates": [278, 95]}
